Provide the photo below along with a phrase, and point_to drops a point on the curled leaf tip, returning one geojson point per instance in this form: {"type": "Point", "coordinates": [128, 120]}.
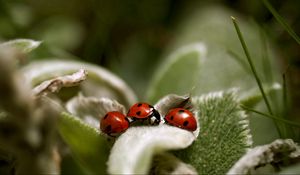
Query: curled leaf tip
{"type": "Point", "coordinates": [24, 45]}
{"type": "Point", "coordinates": [138, 145]}
{"type": "Point", "coordinates": [172, 101]}
{"type": "Point", "coordinates": [55, 84]}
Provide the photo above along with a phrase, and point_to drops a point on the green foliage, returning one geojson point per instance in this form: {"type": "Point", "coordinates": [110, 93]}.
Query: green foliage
{"type": "Point", "coordinates": [205, 57]}
{"type": "Point", "coordinates": [224, 134]}
{"type": "Point", "coordinates": [87, 145]}
{"type": "Point", "coordinates": [221, 70]}
{"type": "Point", "coordinates": [179, 74]}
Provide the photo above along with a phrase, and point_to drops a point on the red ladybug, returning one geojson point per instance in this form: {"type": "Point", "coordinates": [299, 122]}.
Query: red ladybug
{"type": "Point", "coordinates": [114, 123]}
{"type": "Point", "coordinates": [144, 111]}
{"type": "Point", "coordinates": [181, 118]}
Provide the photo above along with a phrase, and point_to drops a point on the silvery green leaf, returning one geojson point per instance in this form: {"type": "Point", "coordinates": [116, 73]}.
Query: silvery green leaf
{"type": "Point", "coordinates": [179, 73]}
{"type": "Point", "coordinates": [92, 109]}
{"type": "Point", "coordinates": [99, 83]}
{"type": "Point", "coordinates": [224, 136]}
{"type": "Point", "coordinates": [254, 96]}
{"type": "Point", "coordinates": [172, 101]}
{"type": "Point", "coordinates": [87, 145]}
{"type": "Point", "coordinates": [55, 84]}
{"type": "Point", "coordinates": [277, 152]}
{"type": "Point", "coordinates": [166, 163]}
{"type": "Point", "coordinates": [25, 45]}
{"type": "Point", "coordinates": [133, 151]}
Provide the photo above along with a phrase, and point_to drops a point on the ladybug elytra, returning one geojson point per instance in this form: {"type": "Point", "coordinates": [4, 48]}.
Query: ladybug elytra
{"type": "Point", "coordinates": [144, 111]}
{"type": "Point", "coordinates": [181, 118]}
{"type": "Point", "coordinates": [114, 122]}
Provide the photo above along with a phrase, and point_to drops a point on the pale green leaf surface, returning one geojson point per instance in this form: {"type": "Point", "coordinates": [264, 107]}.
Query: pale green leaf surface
{"type": "Point", "coordinates": [25, 45]}
{"type": "Point", "coordinates": [179, 73]}
{"type": "Point", "coordinates": [99, 83]}
{"type": "Point", "coordinates": [133, 151]}
{"type": "Point", "coordinates": [224, 135]}
{"type": "Point", "coordinates": [87, 145]}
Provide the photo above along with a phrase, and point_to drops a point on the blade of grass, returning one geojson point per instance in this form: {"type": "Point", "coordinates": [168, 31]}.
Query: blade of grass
{"type": "Point", "coordinates": [251, 64]}
{"type": "Point", "coordinates": [285, 96]}
{"type": "Point", "coordinates": [281, 21]}
{"type": "Point", "coordinates": [240, 36]}
{"type": "Point", "coordinates": [271, 116]}
{"type": "Point", "coordinates": [292, 133]}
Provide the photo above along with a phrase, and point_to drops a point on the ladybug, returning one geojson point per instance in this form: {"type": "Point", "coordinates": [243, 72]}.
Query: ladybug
{"type": "Point", "coordinates": [144, 112]}
{"type": "Point", "coordinates": [114, 123]}
{"type": "Point", "coordinates": [181, 118]}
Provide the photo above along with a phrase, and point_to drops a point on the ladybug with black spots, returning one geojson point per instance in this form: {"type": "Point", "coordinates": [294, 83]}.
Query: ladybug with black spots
{"type": "Point", "coordinates": [114, 123]}
{"type": "Point", "coordinates": [144, 112]}
{"type": "Point", "coordinates": [181, 118]}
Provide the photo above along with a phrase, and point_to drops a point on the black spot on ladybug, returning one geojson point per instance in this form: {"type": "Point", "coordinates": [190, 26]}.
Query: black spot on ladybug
{"type": "Point", "coordinates": [105, 116]}
{"type": "Point", "coordinates": [172, 117]}
{"type": "Point", "coordinates": [181, 111]}
{"type": "Point", "coordinates": [185, 123]}
{"type": "Point", "coordinates": [139, 105]}
{"type": "Point", "coordinates": [108, 128]}
{"type": "Point", "coordinates": [138, 113]}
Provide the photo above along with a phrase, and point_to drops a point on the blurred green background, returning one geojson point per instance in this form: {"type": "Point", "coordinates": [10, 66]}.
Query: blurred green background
{"type": "Point", "coordinates": [130, 37]}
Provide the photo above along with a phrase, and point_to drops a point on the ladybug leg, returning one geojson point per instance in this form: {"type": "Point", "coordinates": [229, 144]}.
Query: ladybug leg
{"type": "Point", "coordinates": [155, 118]}
{"type": "Point", "coordinates": [130, 119]}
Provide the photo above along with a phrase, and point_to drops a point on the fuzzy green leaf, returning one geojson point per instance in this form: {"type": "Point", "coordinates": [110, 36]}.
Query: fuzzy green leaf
{"type": "Point", "coordinates": [87, 145]}
{"type": "Point", "coordinates": [179, 74]}
{"type": "Point", "coordinates": [224, 134]}
{"type": "Point", "coordinates": [25, 45]}
{"type": "Point", "coordinates": [133, 151]}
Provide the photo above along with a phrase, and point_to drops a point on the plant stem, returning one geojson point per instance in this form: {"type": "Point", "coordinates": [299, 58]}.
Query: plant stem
{"type": "Point", "coordinates": [271, 116]}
